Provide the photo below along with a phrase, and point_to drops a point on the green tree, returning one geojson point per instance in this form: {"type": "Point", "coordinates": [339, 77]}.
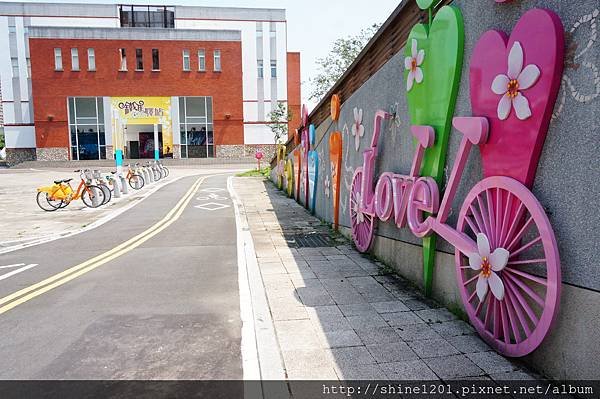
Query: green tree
{"type": "Point", "coordinates": [342, 54]}
{"type": "Point", "coordinates": [279, 117]}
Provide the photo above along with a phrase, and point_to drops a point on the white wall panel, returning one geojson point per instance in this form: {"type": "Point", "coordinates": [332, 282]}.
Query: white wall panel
{"type": "Point", "coordinates": [19, 136]}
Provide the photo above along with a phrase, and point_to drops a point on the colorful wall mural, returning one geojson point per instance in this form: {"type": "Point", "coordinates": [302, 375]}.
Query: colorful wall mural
{"type": "Point", "coordinates": [507, 259]}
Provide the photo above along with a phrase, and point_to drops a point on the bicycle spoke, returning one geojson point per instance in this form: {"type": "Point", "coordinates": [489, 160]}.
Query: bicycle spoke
{"type": "Point", "coordinates": [522, 321]}
{"type": "Point", "coordinates": [520, 233]}
{"type": "Point", "coordinates": [477, 218]}
{"type": "Point", "coordinates": [521, 300]}
{"type": "Point", "coordinates": [470, 223]}
{"type": "Point", "coordinates": [525, 288]}
{"type": "Point", "coordinates": [526, 246]}
{"type": "Point", "coordinates": [526, 275]}
{"type": "Point", "coordinates": [514, 224]}
{"type": "Point", "coordinates": [483, 216]}
{"type": "Point", "coordinates": [504, 318]}
{"type": "Point", "coordinates": [491, 218]}
{"type": "Point", "coordinates": [469, 281]}
{"type": "Point", "coordinates": [507, 209]}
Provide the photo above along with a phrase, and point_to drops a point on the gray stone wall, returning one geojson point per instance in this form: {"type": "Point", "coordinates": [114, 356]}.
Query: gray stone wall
{"type": "Point", "coordinates": [52, 154]}
{"type": "Point", "coordinates": [15, 156]}
{"type": "Point", "coordinates": [567, 181]}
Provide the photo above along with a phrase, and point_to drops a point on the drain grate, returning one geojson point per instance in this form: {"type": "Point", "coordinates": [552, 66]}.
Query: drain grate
{"type": "Point", "coordinates": [313, 240]}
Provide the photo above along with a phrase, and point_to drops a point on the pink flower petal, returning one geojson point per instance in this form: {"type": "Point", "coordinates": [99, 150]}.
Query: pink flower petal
{"type": "Point", "coordinates": [355, 114]}
{"type": "Point", "coordinates": [475, 261]}
{"type": "Point", "coordinates": [504, 107]}
{"type": "Point", "coordinates": [418, 75]}
{"type": "Point", "coordinates": [515, 60]}
{"type": "Point", "coordinates": [528, 76]}
{"type": "Point", "coordinates": [483, 245]}
{"type": "Point", "coordinates": [413, 49]}
{"type": "Point", "coordinates": [521, 106]}
{"type": "Point", "coordinates": [500, 84]}
{"type": "Point", "coordinates": [354, 129]}
{"type": "Point", "coordinates": [482, 287]}
{"type": "Point", "coordinates": [499, 259]}
{"type": "Point", "coordinates": [408, 63]}
{"type": "Point", "coordinates": [410, 80]}
{"type": "Point", "coordinates": [496, 286]}
{"type": "Point", "coordinates": [360, 115]}
{"type": "Point", "coordinates": [357, 142]}
{"type": "Point", "coordinates": [420, 57]}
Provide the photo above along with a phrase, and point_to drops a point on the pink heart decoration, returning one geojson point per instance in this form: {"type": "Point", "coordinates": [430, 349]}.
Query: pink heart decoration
{"type": "Point", "coordinates": [514, 145]}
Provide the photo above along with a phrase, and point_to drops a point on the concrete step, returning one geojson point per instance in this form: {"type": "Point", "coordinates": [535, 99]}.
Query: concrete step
{"type": "Point", "coordinates": [109, 163]}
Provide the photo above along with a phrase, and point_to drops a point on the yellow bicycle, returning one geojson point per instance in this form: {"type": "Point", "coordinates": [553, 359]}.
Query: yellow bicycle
{"type": "Point", "coordinates": [60, 194]}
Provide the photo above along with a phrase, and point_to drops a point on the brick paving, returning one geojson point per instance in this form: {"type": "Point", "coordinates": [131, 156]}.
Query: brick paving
{"type": "Point", "coordinates": [336, 316]}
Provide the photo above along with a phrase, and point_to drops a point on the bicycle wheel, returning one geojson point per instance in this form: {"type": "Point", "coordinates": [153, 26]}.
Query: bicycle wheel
{"type": "Point", "coordinates": [363, 226]}
{"type": "Point", "coordinates": [166, 170]}
{"type": "Point", "coordinates": [510, 217]}
{"type": "Point", "coordinates": [92, 196]}
{"type": "Point", "coordinates": [107, 193]}
{"type": "Point", "coordinates": [157, 175]}
{"type": "Point", "coordinates": [163, 173]}
{"type": "Point", "coordinates": [45, 202]}
{"type": "Point", "coordinates": [136, 182]}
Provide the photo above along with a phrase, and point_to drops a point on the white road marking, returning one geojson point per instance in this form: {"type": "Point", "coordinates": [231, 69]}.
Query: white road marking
{"type": "Point", "coordinates": [13, 265]}
{"type": "Point", "coordinates": [211, 206]}
{"type": "Point", "coordinates": [213, 189]}
{"type": "Point", "coordinates": [213, 197]}
{"type": "Point", "coordinates": [10, 274]}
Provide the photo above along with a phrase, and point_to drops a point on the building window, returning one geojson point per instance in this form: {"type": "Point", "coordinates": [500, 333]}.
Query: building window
{"type": "Point", "coordinates": [147, 16]}
{"type": "Point", "coordinates": [273, 68]}
{"type": "Point", "coordinates": [12, 29]}
{"type": "Point", "coordinates": [86, 128]}
{"type": "Point", "coordinates": [15, 66]}
{"type": "Point", "coordinates": [259, 30]}
{"type": "Point", "coordinates": [260, 68]}
{"type": "Point", "coordinates": [196, 127]}
{"type": "Point", "coordinates": [91, 59]}
{"type": "Point", "coordinates": [122, 59]}
{"type": "Point", "coordinates": [58, 59]}
{"type": "Point", "coordinates": [139, 59]}
{"type": "Point", "coordinates": [155, 60]}
{"type": "Point", "coordinates": [272, 30]}
{"type": "Point", "coordinates": [74, 59]}
{"type": "Point", "coordinates": [201, 60]}
{"type": "Point", "coordinates": [186, 60]}
{"type": "Point", "coordinates": [217, 60]}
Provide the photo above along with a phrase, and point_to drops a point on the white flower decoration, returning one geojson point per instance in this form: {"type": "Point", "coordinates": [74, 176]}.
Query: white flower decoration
{"type": "Point", "coordinates": [511, 84]}
{"type": "Point", "coordinates": [412, 64]}
{"type": "Point", "coordinates": [489, 265]}
{"type": "Point", "coordinates": [359, 215]}
{"type": "Point", "coordinates": [358, 130]}
{"type": "Point", "coordinates": [327, 186]}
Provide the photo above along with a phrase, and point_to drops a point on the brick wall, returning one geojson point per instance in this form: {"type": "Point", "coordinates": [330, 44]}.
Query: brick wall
{"type": "Point", "coordinates": [50, 88]}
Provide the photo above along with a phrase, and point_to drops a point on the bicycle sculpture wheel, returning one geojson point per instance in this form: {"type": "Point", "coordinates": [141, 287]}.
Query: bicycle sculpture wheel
{"type": "Point", "coordinates": [363, 225]}
{"type": "Point", "coordinates": [520, 293]}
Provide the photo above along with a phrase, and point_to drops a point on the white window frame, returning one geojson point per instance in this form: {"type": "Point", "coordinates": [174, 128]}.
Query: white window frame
{"type": "Point", "coordinates": [122, 59]}
{"type": "Point", "coordinates": [273, 69]}
{"type": "Point", "coordinates": [58, 64]}
{"type": "Point", "coordinates": [260, 69]}
{"type": "Point", "coordinates": [202, 60]}
{"type": "Point", "coordinates": [91, 54]}
{"type": "Point", "coordinates": [217, 67]}
{"type": "Point", "coordinates": [186, 57]}
{"type": "Point", "coordinates": [74, 59]}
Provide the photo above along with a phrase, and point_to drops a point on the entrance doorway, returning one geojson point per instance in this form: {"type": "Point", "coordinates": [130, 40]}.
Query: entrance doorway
{"type": "Point", "coordinates": [140, 141]}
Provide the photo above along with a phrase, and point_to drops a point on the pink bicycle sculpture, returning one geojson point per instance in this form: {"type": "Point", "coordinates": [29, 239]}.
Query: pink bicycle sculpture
{"type": "Point", "coordinates": [503, 238]}
{"type": "Point", "coordinates": [506, 256]}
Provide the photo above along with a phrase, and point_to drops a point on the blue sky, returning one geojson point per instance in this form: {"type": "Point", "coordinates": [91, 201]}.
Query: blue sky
{"type": "Point", "coordinates": [313, 25]}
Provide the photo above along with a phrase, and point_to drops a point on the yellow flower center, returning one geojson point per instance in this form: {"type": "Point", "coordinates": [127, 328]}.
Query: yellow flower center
{"type": "Point", "coordinates": [413, 64]}
{"type": "Point", "coordinates": [486, 268]}
{"type": "Point", "coordinates": [513, 88]}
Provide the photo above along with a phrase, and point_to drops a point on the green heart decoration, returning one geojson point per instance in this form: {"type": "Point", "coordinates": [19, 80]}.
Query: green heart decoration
{"type": "Point", "coordinates": [433, 64]}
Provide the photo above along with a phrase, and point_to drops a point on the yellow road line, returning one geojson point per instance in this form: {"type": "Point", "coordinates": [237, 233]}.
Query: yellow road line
{"type": "Point", "coordinates": [52, 282]}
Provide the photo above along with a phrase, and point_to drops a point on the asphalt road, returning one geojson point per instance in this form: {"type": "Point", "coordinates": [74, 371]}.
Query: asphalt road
{"type": "Point", "coordinates": [152, 294]}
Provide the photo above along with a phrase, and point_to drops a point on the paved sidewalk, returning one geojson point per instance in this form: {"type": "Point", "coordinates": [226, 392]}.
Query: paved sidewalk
{"type": "Point", "coordinates": [336, 316]}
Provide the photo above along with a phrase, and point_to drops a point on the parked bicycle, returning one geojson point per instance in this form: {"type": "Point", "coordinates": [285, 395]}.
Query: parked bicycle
{"type": "Point", "coordinates": [134, 177]}
{"type": "Point", "coordinates": [99, 181]}
{"type": "Point", "coordinates": [61, 194]}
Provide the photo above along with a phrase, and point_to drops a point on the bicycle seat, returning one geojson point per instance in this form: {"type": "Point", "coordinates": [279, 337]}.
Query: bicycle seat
{"type": "Point", "coordinates": [67, 180]}
{"type": "Point", "coordinates": [77, 171]}
{"type": "Point", "coordinates": [113, 172]}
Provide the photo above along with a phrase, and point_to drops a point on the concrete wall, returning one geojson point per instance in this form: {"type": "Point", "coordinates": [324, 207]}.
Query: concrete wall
{"type": "Point", "coordinates": [567, 182]}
